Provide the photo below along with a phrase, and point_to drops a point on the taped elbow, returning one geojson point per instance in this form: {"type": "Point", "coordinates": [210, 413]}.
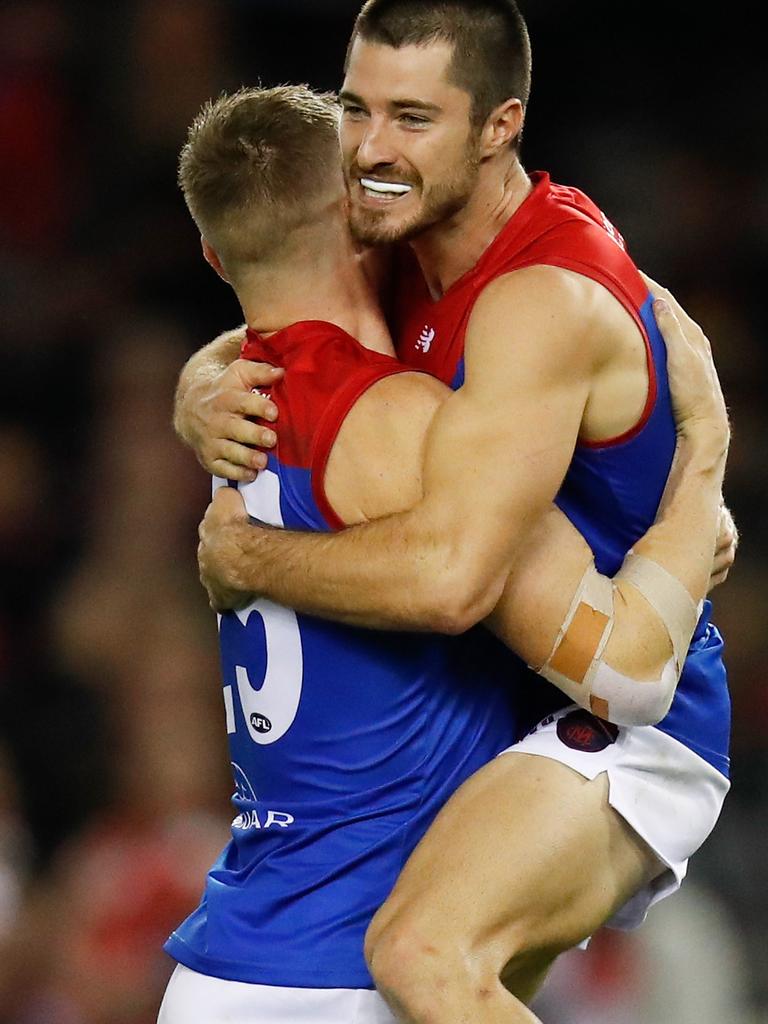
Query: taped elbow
{"type": "Point", "coordinates": [627, 701]}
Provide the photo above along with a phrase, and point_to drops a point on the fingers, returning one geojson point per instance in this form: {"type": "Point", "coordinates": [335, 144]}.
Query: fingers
{"type": "Point", "coordinates": [229, 502]}
{"type": "Point", "coordinates": [221, 453]}
{"type": "Point", "coordinates": [214, 552]}
{"type": "Point", "coordinates": [245, 432]}
{"type": "Point", "coordinates": [725, 549]}
{"type": "Point", "coordinates": [671, 317]}
{"type": "Point", "coordinates": [229, 471]}
{"type": "Point", "coordinates": [236, 453]}
{"type": "Point", "coordinates": [229, 421]}
{"type": "Point", "coordinates": [724, 559]}
{"type": "Point", "coordinates": [255, 375]}
{"type": "Point", "coordinates": [231, 438]}
{"type": "Point", "coordinates": [251, 403]}
{"type": "Point", "coordinates": [689, 325]}
{"type": "Point", "coordinates": [657, 290]}
{"type": "Point", "coordinates": [693, 379]}
{"type": "Point", "coordinates": [728, 534]}
{"type": "Point", "coordinates": [726, 540]}
{"type": "Point", "coordinates": [716, 579]}
{"type": "Point", "coordinates": [721, 566]}
{"type": "Point", "coordinates": [667, 320]}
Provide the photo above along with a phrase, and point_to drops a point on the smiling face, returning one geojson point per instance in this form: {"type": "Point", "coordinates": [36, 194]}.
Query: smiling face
{"type": "Point", "coordinates": [411, 154]}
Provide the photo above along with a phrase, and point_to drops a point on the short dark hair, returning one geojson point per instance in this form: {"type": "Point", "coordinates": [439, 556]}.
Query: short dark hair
{"type": "Point", "coordinates": [257, 163]}
{"type": "Point", "coordinates": [492, 51]}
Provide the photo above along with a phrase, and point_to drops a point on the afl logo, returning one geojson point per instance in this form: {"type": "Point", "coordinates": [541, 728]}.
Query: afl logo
{"type": "Point", "coordinates": [581, 731]}
{"type": "Point", "coordinates": [260, 723]}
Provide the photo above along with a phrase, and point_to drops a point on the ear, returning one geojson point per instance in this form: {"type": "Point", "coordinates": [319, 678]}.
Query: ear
{"type": "Point", "coordinates": [503, 126]}
{"type": "Point", "coordinates": [212, 257]}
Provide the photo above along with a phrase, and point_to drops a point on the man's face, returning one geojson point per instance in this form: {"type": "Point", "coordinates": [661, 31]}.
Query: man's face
{"type": "Point", "coordinates": [409, 149]}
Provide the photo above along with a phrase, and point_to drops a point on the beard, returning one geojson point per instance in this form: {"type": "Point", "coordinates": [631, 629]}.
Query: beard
{"type": "Point", "coordinates": [439, 203]}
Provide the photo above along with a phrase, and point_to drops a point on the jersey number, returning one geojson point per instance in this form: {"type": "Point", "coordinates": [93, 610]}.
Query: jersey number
{"type": "Point", "coordinates": [269, 709]}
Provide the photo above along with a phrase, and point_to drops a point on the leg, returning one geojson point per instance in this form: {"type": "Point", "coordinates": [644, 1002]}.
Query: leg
{"type": "Point", "coordinates": [525, 861]}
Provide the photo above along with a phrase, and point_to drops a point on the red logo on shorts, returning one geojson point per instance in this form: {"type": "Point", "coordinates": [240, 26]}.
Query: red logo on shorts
{"type": "Point", "coordinates": [581, 731]}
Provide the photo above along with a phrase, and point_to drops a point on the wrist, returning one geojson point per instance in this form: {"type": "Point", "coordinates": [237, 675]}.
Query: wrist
{"type": "Point", "coordinates": [242, 556]}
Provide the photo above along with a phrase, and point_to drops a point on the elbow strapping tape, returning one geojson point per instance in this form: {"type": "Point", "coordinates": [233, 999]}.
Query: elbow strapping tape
{"type": "Point", "coordinates": [577, 665]}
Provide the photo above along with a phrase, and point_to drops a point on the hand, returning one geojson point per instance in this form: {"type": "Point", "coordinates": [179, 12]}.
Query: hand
{"type": "Point", "coordinates": [219, 553]}
{"type": "Point", "coordinates": [725, 549]}
{"type": "Point", "coordinates": [219, 419]}
{"type": "Point", "coordinates": [697, 398]}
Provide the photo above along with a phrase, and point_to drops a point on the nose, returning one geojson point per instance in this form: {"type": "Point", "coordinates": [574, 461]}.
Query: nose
{"type": "Point", "coordinates": [376, 145]}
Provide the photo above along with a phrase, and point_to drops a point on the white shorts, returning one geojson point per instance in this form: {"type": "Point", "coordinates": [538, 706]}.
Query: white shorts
{"type": "Point", "coordinates": [669, 795]}
{"type": "Point", "coordinates": [193, 998]}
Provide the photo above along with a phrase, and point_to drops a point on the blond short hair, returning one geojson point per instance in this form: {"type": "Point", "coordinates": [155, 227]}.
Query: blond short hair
{"type": "Point", "coordinates": [257, 164]}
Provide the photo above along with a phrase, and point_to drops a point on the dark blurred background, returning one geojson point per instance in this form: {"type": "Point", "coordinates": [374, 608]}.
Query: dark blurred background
{"type": "Point", "coordinates": [113, 773]}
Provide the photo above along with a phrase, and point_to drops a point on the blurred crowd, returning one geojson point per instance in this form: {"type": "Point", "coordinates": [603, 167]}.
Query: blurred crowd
{"type": "Point", "coordinates": [113, 770]}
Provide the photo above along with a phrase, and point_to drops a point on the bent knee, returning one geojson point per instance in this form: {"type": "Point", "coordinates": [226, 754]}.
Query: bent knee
{"type": "Point", "coordinates": [408, 956]}
{"type": "Point", "coordinates": [401, 947]}
{"type": "Point", "coordinates": [424, 972]}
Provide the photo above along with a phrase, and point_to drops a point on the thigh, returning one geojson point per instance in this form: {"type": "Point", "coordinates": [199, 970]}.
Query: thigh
{"type": "Point", "coordinates": [525, 860]}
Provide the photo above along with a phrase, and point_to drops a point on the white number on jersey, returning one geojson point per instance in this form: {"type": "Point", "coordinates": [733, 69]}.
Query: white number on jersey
{"type": "Point", "coordinates": [269, 709]}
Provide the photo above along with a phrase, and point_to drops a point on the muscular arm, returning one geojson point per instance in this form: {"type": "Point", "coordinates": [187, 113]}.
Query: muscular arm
{"type": "Point", "coordinates": [374, 470]}
{"type": "Point", "coordinates": [390, 423]}
{"type": "Point", "coordinates": [537, 596]}
{"type": "Point", "coordinates": [495, 456]}
{"type": "Point", "coordinates": [639, 652]}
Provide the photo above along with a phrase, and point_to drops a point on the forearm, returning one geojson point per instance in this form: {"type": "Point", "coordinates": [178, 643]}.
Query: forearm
{"type": "Point", "coordinates": [537, 618]}
{"type": "Point", "coordinates": [682, 541]}
{"type": "Point", "coordinates": [683, 537]}
{"type": "Point", "coordinates": [393, 573]}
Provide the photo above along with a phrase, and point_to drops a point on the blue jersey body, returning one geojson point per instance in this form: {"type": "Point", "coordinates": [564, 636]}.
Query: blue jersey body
{"type": "Point", "coordinates": [344, 742]}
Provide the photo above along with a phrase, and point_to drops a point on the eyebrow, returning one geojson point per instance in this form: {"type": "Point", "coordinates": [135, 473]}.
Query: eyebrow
{"type": "Point", "coordinates": [402, 104]}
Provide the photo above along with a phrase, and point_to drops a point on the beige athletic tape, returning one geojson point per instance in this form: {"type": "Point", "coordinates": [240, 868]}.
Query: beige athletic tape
{"type": "Point", "coordinates": [582, 637]}
{"type": "Point", "coordinates": [593, 590]}
{"type": "Point", "coordinates": [599, 707]}
{"type": "Point", "coordinates": [633, 701]}
{"type": "Point", "coordinates": [668, 598]}
{"type": "Point", "coordinates": [578, 648]}
{"type": "Point", "coordinates": [576, 663]}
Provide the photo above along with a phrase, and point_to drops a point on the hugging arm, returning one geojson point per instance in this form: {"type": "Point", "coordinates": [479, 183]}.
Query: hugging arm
{"type": "Point", "coordinates": [442, 565]}
{"type": "Point", "coordinates": [374, 470]}
{"type": "Point", "coordinates": [620, 645]}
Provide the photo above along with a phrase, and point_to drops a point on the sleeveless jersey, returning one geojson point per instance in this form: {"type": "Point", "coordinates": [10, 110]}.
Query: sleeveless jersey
{"type": "Point", "coordinates": [612, 489]}
{"type": "Point", "coordinates": [344, 742]}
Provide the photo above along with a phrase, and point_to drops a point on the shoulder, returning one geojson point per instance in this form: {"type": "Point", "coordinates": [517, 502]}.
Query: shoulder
{"type": "Point", "coordinates": [550, 314]}
{"type": "Point", "coordinates": [326, 371]}
{"type": "Point", "coordinates": [374, 464]}
{"type": "Point", "coordinates": [558, 291]}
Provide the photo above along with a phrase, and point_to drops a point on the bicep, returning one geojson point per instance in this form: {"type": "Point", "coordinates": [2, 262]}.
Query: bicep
{"type": "Point", "coordinates": [499, 448]}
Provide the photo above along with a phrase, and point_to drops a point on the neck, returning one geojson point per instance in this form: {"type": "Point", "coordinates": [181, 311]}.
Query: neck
{"type": "Point", "coordinates": [332, 282]}
{"type": "Point", "coordinates": [447, 250]}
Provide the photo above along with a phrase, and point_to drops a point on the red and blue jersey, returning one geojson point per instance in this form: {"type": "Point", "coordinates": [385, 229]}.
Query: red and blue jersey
{"type": "Point", "coordinates": [612, 489]}
{"type": "Point", "coordinates": [344, 742]}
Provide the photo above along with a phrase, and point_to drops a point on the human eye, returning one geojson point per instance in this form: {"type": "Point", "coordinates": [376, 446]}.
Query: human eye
{"type": "Point", "coordinates": [412, 120]}
{"type": "Point", "coordinates": [353, 111]}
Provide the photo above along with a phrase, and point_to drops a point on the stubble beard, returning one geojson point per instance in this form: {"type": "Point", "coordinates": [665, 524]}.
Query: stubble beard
{"type": "Point", "coordinates": [441, 202]}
